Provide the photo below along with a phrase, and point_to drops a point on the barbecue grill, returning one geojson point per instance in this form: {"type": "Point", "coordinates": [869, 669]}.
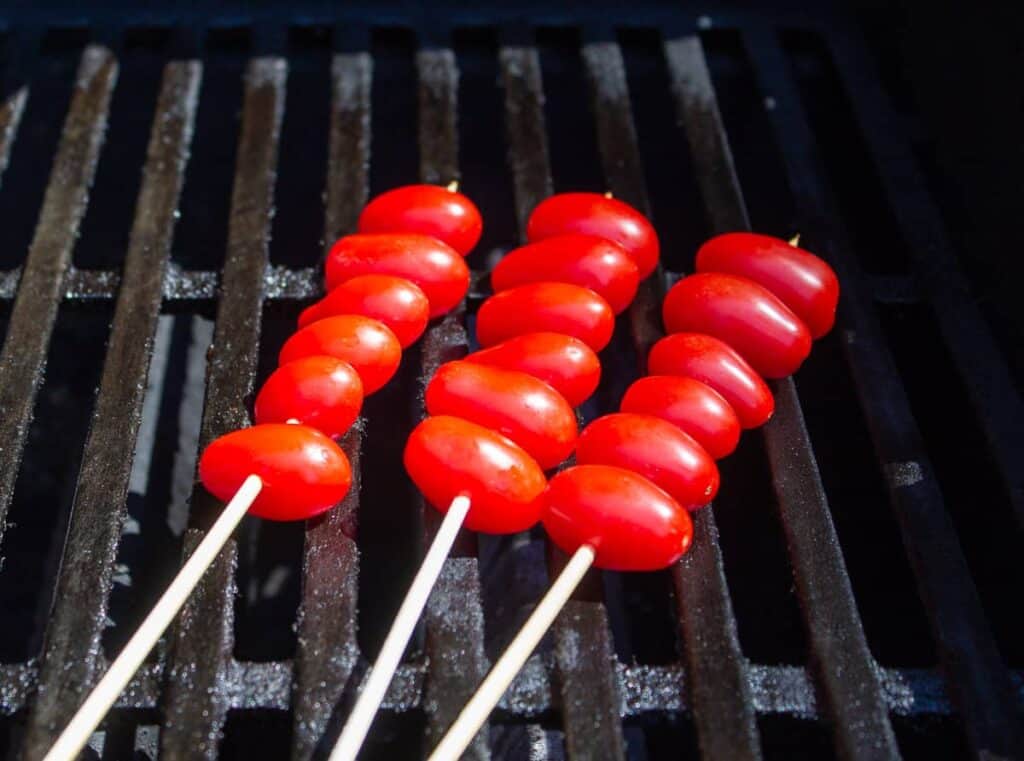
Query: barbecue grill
{"type": "Point", "coordinates": [845, 596]}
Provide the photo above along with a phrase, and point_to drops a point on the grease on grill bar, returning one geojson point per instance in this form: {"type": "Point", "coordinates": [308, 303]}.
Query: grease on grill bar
{"type": "Point", "coordinates": [637, 669]}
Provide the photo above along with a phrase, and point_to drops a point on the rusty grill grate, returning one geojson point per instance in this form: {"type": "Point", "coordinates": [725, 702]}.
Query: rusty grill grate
{"type": "Point", "coordinates": [759, 643]}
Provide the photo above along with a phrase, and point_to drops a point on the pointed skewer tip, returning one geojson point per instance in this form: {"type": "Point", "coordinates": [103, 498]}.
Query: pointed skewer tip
{"type": "Point", "coordinates": [795, 240]}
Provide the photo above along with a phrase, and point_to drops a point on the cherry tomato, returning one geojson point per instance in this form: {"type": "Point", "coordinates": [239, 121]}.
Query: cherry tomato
{"type": "Point", "coordinates": [319, 391]}
{"type": "Point", "coordinates": [745, 315]}
{"type": "Point", "coordinates": [694, 407]}
{"type": "Point", "coordinates": [546, 307]}
{"type": "Point", "coordinates": [565, 363]}
{"type": "Point", "coordinates": [631, 523]}
{"type": "Point", "coordinates": [395, 301]}
{"type": "Point", "coordinates": [434, 266]}
{"type": "Point", "coordinates": [799, 279]}
{"type": "Point", "coordinates": [428, 210]}
{"type": "Point", "coordinates": [303, 472]}
{"type": "Point", "coordinates": [366, 344]}
{"type": "Point", "coordinates": [655, 449]}
{"type": "Point", "coordinates": [447, 456]}
{"type": "Point", "coordinates": [516, 405]}
{"type": "Point", "coordinates": [711, 361]}
{"type": "Point", "coordinates": [593, 214]}
{"type": "Point", "coordinates": [595, 263]}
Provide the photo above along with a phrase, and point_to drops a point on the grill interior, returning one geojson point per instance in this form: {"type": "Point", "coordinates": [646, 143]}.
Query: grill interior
{"type": "Point", "coordinates": [853, 592]}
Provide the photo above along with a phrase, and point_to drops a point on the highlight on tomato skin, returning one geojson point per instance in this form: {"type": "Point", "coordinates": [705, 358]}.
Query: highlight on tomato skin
{"type": "Point", "coordinates": [715, 363]}
{"type": "Point", "coordinates": [691, 405]}
{"type": "Point", "coordinates": [516, 405]}
{"type": "Point", "coordinates": [565, 363]}
{"type": "Point", "coordinates": [319, 391]}
{"type": "Point", "coordinates": [397, 302]}
{"type": "Point", "coordinates": [801, 280]}
{"type": "Point", "coordinates": [446, 456]}
{"type": "Point", "coordinates": [546, 307]}
{"type": "Point", "coordinates": [303, 472]}
{"type": "Point", "coordinates": [366, 344]}
{"type": "Point", "coordinates": [433, 210]}
{"type": "Point", "coordinates": [596, 263]}
{"type": "Point", "coordinates": [596, 214]}
{"type": "Point", "coordinates": [655, 449]}
{"type": "Point", "coordinates": [745, 315]}
{"type": "Point", "coordinates": [631, 523]}
{"type": "Point", "coordinates": [434, 266]}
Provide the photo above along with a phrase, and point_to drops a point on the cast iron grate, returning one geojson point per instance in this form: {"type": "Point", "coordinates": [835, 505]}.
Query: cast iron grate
{"type": "Point", "coordinates": [758, 644]}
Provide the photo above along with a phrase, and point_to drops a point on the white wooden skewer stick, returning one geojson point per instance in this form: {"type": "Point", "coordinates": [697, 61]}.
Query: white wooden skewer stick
{"type": "Point", "coordinates": [476, 711]}
{"type": "Point", "coordinates": [383, 670]}
{"type": "Point", "coordinates": [76, 734]}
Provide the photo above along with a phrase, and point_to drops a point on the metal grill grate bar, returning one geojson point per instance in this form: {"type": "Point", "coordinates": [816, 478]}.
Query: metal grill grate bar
{"type": "Point", "coordinates": [453, 620]}
{"type": "Point", "coordinates": [11, 112]}
{"type": "Point", "coordinates": [35, 308]}
{"type": "Point", "coordinates": [328, 651]}
{"type": "Point", "coordinates": [528, 162]}
{"type": "Point", "coordinates": [524, 119]}
{"type": "Point", "coordinates": [588, 692]}
{"type": "Point", "coordinates": [583, 642]}
{"type": "Point", "coordinates": [279, 283]}
{"type": "Point", "coordinates": [846, 670]}
{"type": "Point", "coordinates": [978, 678]}
{"type": "Point", "coordinates": [196, 699]}
{"type": "Point", "coordinates": [645, 690]}
{"type": "Point", "coordinates": [73, 652]}
{"type": "Point", "coordinates": [718, 685]}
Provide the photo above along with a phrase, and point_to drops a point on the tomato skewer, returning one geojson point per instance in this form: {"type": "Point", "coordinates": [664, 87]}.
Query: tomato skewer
{"type": "Point", "coordinates": [281, 469]}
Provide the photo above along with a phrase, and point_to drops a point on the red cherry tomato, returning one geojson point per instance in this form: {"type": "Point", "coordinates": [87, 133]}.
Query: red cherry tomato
{"type": "Point", "coordinates": [655, 449]}
{"type": "Point", "coordinates": [595, 263]}
{"type": "Point", "coordinates": [395, 301]}
{"type": "Point", "coordinates": [365, 343]}
{"type": "Point", "coordinates": [546, 307]}
{"type": "Point", "coordinates": [593, 214]}
{"type": "Point", "coordinates": [434, 266]}
{"type": "Point", "coordinates": [565, 363]}
{"type": "Point", "coordinates": [303, 472]}
{"type": "Point", "coordinates": [516, 405]}
{"type": "Point", "coordinates": [694, 407]}
{"type": "Point", "coordinates": [428, 210]}
{"type": "Point", "coordinates": [631, 523]}
{"type": "Point", "coordinates": [800, 280]}
{"type": "Point", "coordinates": [745, 315]}
{"type": "Point", "coordinates": [711, 361]}
{"type": "Point", "coordinates": [319, 391]}
{"type": "Point", "coordinates": [447, 456]}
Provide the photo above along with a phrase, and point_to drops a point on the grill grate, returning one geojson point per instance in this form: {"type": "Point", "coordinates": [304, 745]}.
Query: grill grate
{"type": "Point", "coordinates": [579, 697]}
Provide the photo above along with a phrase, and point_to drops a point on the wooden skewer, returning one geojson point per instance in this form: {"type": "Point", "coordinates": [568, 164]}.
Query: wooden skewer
{"type": "Point", "coordinates": [476, 711]}
{"type": "Point", "coordinates": [383, 670]}
{"type": "Point", "coordinates": [77, 733]}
